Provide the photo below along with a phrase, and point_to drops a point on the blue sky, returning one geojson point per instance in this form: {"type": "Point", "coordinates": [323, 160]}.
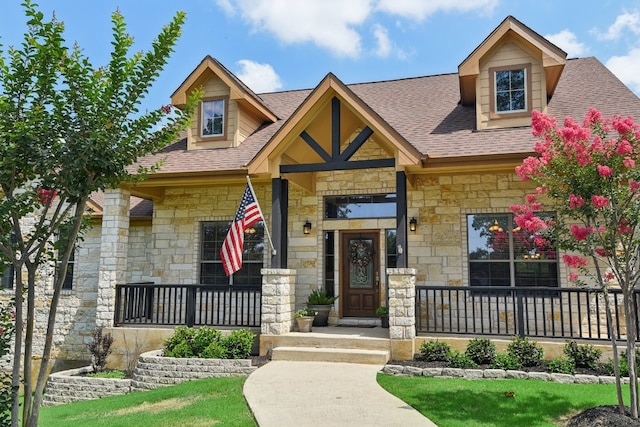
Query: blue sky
{"type": "Point", "coordinates": [292, 44]}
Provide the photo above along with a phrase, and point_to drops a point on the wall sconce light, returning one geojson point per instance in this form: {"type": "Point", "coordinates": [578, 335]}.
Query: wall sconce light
{"type": "Point", "coordinates": [413, 224]}
{"type": "Point", "coordinates": [496, 227]}
{"type": "Point", "coordinates": [306, 227]}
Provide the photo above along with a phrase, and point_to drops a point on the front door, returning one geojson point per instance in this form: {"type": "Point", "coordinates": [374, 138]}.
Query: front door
{"type": "Point", "coordinates": [359, 273]}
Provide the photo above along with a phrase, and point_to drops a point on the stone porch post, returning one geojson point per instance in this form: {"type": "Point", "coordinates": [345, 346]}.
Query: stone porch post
{"type": "Point", "coordinates": [278, 301]}
{"type": "Point", "coordinates": [402, 312]}
{"type": "Point", "coordinates": [113, 253]}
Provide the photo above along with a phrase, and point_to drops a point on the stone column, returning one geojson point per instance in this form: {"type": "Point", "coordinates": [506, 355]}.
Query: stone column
{"type": "Point", "coordinates": [113, 253]}
{"type": "Point", "coordinates": [278, 306]}
{"type": "Point", "coordinates": [402, 312]}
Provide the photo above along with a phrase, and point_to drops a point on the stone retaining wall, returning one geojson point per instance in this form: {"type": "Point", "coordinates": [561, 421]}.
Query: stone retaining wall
{"type": "Point", "coordinates": [152, 371]}
{"type": "Point", "coordinates": [71, 386]}
{"type": "Point", "coordinates": [475, 374]}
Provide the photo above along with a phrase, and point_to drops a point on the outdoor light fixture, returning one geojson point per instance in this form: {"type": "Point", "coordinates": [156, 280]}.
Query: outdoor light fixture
{"type": "Point", "coordinates": [413, 224]}
{"type": "Point", "coordinates": [306, 228]}
{"type": "Point", "coordinates": [496, 227]}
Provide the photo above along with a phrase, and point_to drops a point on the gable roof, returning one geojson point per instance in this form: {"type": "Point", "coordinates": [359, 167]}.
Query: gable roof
{"type": "Point", "coordinates": [425, 112]}
{"type": "Point", "coordinates": [553, 58]}
{"type": "Point", "coordinates": [238, 90]}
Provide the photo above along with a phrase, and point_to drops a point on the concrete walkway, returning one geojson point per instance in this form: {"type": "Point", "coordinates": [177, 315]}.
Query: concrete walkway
{"type": "Point", "coordinates": [284, 393]}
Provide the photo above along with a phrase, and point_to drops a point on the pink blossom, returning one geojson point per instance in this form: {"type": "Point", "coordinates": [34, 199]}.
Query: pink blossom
{"type": "Point", "coordinates": [166, 109]}
{"type": "Point", "coordinates": [574, 261]}
{"type": "Point", "coordinates": [575, 202]}
{"type": "Point", "coordinates": [600, 252]}
{"type": "Point", "coordinates": [541, 190]}
{"type": "Point", "coordinates": [599, 202]}
{"type": "Point", "coordinates": [580, 233]}
{"type": "Point", "coordinates": [607, 277]}
{"type": "Point", "coordinates": [541, 123]}
{"type": "Point", "coordinates": [529, 168]}
{"type": "Point", "coordinates": [592, 117]}
{"type": "Point", "coordinates": [531, 198]}
{"type": "Point", "coordinates": [573, 277]}
{"type": "Point", "coordinates": [46, 197]}
{"type": "Point", "coordinates": [604, 171]}
{"type": "Point", "coordinates": [602, 229]}
{"type": "Point", "coordinates": [623, 125]}
{"type": "Point", "coordinates": [624, 148]}
{"type": "Point", "coordinates": [628, 162]}
{"type": "Point", "coordinates": [529, 222]}
{"type": "Point", "coordinates": [634, 186]}
{"type": "Point", "coordinates": [623, 226]}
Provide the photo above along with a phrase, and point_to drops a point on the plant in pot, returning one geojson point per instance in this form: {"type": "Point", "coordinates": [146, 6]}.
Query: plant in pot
{"type": "Point", "coordinates": [304, 319]}
{"type": "Point", "coordinates": [383, 313]}
{"type": "Point", "coordinates": [321, 302]}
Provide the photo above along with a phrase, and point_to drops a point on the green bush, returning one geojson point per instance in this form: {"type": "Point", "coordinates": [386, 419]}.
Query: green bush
{"type": "Point", "coordinates": [207, 342]}
{"type": "Point", "coordinates": [583, 355]}
{"type": "Point", "coordinates": [460, 360]}
{"type": "Point", "coordinates": [529, 353]}
{"type": "Point", "coordinates": [481, 350]}
{"type": "Point", "coordinates": [506, 361]}
{"type": "Point", "coordinates": [435, 351]}
{"type": "Point", "coordinates": [562, 365]}
{"type": "Point", "coordinates": [624, 364]}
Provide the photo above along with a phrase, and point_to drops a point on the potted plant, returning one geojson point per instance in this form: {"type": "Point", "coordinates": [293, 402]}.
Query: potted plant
{"type": "Point", "coordinates": [383, 313]}
{"type": "Point", "coordinates": [304, 319]}
{"type": "Point", "coordinates": [320, 302]}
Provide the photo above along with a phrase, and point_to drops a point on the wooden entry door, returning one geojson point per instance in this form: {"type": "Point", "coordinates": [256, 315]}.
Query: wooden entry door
{"type": "Point", "coordinates": [359, 273]}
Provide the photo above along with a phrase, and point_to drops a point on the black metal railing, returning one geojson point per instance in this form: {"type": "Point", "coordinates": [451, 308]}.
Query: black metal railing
{"type": "Point", "coordinates": [531, 312]}
{"type": "Point", "coordinates": [190, 305]}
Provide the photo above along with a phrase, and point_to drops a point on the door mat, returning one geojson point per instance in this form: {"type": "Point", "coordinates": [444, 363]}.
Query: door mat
{"type": "Point", "coordinates": [357, 326]}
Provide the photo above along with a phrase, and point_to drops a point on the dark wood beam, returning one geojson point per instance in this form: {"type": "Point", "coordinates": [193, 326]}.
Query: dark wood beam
{"type": "Point", "coordinates": [335, 128]}
{"type": "Point", "coordinates": [339, 165]}
{"type": "Point", "coordinates": [315, 146]}
{"type": "Point", "coordinates": [356, 143]}
{"type": "Point", "coordinates": [401, 219]}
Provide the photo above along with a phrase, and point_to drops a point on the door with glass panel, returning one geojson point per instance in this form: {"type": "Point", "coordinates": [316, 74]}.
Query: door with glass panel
{"type": "Point", "coordinates": [359, 273]}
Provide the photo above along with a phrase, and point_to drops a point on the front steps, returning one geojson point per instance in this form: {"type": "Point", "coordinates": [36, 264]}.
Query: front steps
{"type": "Point", "coordinates": [333, 344]}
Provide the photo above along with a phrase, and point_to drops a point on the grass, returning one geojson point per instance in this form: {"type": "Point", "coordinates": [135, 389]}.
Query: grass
{"type": "Point", "coordinates": [216, 401]}
{"type": "Point", "coordinates": [497, 403]}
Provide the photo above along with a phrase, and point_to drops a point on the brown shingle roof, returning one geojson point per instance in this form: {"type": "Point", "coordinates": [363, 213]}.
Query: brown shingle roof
{"type": "Point", "coordinates": [427, 112]}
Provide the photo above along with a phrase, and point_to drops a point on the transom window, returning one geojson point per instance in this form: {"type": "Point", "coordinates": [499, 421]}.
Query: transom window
{"type": "Point", "coordinates": [502, 254]}
{"type": "Point", "coordinates": [212, 234]}
{"type": "Point", "coordinates": [212, 118]}
{"type": "Point", "coordinates": [363, 206]}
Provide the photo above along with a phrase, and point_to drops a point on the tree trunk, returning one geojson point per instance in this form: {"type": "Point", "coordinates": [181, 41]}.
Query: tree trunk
{"type": "Point", "coordinates": [17, 348]}
{"type": "Point", "coordinates": [614, 347]}
{"type": "Point", "coordinates": [28, 341]}
{"type": "Point", "coordinates": [630, 323]}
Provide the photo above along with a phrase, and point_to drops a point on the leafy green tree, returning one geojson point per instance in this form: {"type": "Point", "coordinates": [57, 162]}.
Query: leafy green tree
{"type": "Point", "coordinates": [68, 129]}
{"type": "Point", "coordinates": [588, 173]}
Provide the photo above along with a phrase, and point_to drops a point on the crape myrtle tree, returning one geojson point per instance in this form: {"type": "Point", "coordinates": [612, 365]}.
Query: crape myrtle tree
{"type": "Point", "coordinates": [588, 174]}
{"type": "Point", "coordinates": [68, 129]}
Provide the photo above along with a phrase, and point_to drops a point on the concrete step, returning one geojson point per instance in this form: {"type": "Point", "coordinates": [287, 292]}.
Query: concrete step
{"type": "Point", "coordinates": [313, 339]}
{"type": "Point", "coordinates": [327, 354]}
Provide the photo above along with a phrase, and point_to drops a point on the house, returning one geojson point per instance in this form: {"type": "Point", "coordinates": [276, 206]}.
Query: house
{"type": "Point", "coordinates": [383, 193]}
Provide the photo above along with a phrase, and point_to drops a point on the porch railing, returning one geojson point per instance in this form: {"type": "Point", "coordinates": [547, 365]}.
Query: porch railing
{"type": "Point", "coordinates": [532, 312]}
{"type": "Point", "coordinates": [190, 305]}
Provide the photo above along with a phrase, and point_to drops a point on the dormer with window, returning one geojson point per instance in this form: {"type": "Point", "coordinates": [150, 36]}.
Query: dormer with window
{"type": "Point", "coordinates": [229, 111]}
{"type": "Point", "coordinates": [513, 72]}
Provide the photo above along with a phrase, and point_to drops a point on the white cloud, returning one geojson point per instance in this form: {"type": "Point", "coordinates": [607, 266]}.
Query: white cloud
{"type": "Point", "coordinates": [568, 42]}
{"type": "Point", "coordinates": [419, 10]}
{"type": "Point", "coordinates": [627, 68]}
{"type": "Point", "coordinates": [259, 77]}
{"type": "Point", "coordinates": [330, 24]}
{"type": "Point", "coordinates": [624, 22]}
{"type": "Point", "coordinates": [226, 6]}
{"type": "Point", "coordinates": [383, 48]}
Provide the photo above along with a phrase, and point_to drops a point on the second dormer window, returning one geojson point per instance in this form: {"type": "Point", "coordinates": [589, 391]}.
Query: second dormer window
{"type": "Point", "coordinates": [212, 118]}
{"type": "Point", "coordinates": [510, 89]}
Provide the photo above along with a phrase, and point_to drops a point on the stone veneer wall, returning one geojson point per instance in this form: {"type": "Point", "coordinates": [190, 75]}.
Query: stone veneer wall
{"type": "Point", "coordinates": [70, 386]}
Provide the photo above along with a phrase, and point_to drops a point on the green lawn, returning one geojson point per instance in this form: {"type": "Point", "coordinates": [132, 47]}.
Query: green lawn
{"type": "Point", "coordinates": [216, 401]}
{"type": "Point", "coordinates": [496, 403]}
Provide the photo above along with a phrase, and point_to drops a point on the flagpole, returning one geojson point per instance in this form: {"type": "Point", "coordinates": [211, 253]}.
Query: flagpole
{"type": "Point", "coordinates": [266, 229]}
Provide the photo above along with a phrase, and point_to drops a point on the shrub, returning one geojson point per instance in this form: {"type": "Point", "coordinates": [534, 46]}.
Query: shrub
{"type": "Point", "coordinates": [506, 361]}
{"type": "Point", "coordinates": [529, 353]}
{"type": "Point", "coordinates": [99, 348]}
{"type": "Point", "coordinates": [562, 365]}
{"type": "Point", "coordinates": [435, 351]}
{"type": "Point", "coordinates": [583, 355]}
{"type": "Point", "coordinates": [624, 364]}
{"type": "Point", "coordinates": [460, 360]}
{"type": "Point", "coordinates": [208, 343]}
{"type": "Point", "coordinates": [481, 350]}
{"type": "Point", "coordinates": [320, 297]}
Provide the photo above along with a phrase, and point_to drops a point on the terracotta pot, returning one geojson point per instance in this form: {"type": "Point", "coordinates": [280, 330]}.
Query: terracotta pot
{"type": "Point", "coordinates": [304, 323]}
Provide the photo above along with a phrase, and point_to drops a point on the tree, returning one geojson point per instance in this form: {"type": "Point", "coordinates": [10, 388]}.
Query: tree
{"type": "Point", "coordinates": [588, 175]}
{"type": "Point", "coordinates": [68, 129]}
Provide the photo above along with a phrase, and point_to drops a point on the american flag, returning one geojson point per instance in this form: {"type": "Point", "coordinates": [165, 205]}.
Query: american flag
{"type": "Point", "coordinates": [248, 214]}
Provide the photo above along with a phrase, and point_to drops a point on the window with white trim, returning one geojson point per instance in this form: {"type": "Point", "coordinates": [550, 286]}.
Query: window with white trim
{"type": "Point", "coordinates": [502, 254]}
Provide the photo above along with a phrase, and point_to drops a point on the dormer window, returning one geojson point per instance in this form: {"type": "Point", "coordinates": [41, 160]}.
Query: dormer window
{"type": "Point", "coordinates": [510, 90]}
{"type": "Point", "coordinates": [213, 112]}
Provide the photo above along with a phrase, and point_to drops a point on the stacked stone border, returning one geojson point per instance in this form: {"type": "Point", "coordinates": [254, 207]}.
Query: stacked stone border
{"type": "Point", "coordinates": [152, 371]}
{"type": "Point", "coordinates": [477, 374]}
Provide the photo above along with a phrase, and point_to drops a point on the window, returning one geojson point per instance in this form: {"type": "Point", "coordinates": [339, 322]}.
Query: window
{"type": "Point", "coordinates": [501, 254]}
{"type": "Point", "coordinates": [6, 279]}
{"type": "Point", "coordinates": [211, 121]}
{"type": "Point", "coordinates": [212, 234]}
{"type": "Point", "coordinates": [366, 206]}
{"type": "Point", "coordinates": [329, 262]}
{"type": "Point", "coordinates": [68, 278]}
{"type": "Point", "coordinates": [511, 89]}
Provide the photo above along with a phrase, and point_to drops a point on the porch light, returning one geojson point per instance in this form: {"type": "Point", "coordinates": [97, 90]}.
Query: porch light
{"type": "Point", "coordinates": [496, 227]}
{"type": "Point", "coordinates": [306, 228]}
{"type": "Point", "coordinates": [413, 224]}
